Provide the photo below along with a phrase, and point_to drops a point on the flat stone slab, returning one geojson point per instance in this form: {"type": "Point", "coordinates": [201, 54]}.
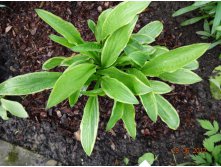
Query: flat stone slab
{"type": "Point", "coordinates": [17, 156]}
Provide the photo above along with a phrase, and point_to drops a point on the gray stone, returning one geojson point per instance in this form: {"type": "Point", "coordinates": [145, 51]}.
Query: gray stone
{"type": "Point", "coordinates": [99, 8]}
{"type": "Point", "coordinates": [11, 155]}
{"type": "Point", "coordinates": [51, 162]}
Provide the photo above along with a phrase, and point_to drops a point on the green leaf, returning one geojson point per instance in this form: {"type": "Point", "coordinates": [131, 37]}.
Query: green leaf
{"type": "Point", "coordinates": [167, 113]}
{"type": "Point", "coordinates": [149, 157]}
{"type": "Point", "coordinates": [125, 112]}
{"type": "Point", "coordinates": [211, 11]}
{"type": "Point", "coordinates": [129, 120]}
{"type": "Point", "coordinates": [126, 161]}
{"type": "Point", "coordinates": [193, 20]}
{"type": "Point", "coordinates": [181, 76]}
{"type": "Point", "coordinates": [138, 53]}
{"type": "Point", "coordinates": [206, 26]}
{"type": "Point", "coordinates": [217, 153]}
{"type": "Point", "coordinates": [89, 125]}
{"type": "Point", "coordinates": [60, 40]}
{"type": "Point", "coordinates": [70, 81]}
{"type": "Point", "coordinates": [160, 87]}
{"type": "Point", "coordinates": [100, 22]}
{"type": "Point", "coordinates": [94, 92]}
{"type": "Point", "coordinates": [174, 59]}
{"type": "Point", "coordinates": [201, 3]}
{"type": "Point", "coordinates": [215, 89]}
{"type": "Point", "coordinates": [148, 49]}
{"type": "Point", "coordinates": [185, 10]}
{"type": "Point", "coordinates": [139, 75]}
{"type": "Point", "coordinates": [73, 98]}
{"type": "Point", "coordinates": [131, 81]}
{"type": "Point", "coordinates": [217, 18]}
{"type": "Point", "coordinates": [212, 128]}
{"type": "Point", "coordinates": [210, 133]}
{"type": "Point", "coordinates": [122, 15]}
{"type": "Point", "coordinates": [159, 50]}
{"type": "Point", "coordinates": [94, 55]}
{"type": "Point", "coordinates": [215, 138]}
{"type": "Point", "coordinates": [29, 83]}
{"type": "Point", "coordinates": [3, 113]}
{"type": "Point", "coordinates": [52, 63]}
{"type": "Point", "coordinates": [14, 108]}
{"type": "Point", "coordinates": [87, 46]}
{"type": "Point", "coordinates": [111, 51]}
{"type": "Point", "coordinates": [218, 28]}
{"type": "Point", "coordinates": [208, 144]}
{"type": "Point", "coordinates": [216, 125]}
{"type": "Point", "coordinates": [148, 100]}
{"type": "Point", "coordinates": [139, 57]}
{"type": "Point", "coordinates": [117, 90]}
{"type": "Point", "coordinates": [116, 115]}
{"type": "Point", "coordinates": [192, 66]}
{"type": "Point", "coordinates": [205, 124]}
{"type": "Point", "coordinates": [66, 29]}
{"type": "Point", "coordinates": [208, 158]}
{"type": "Point", "coordinates": [75, 60]}
{"type": "Point", "coordinates": [214, 44]}
{"type": "Point", "coordinates": [93, 77]}
{"type": "Point", "coordinates": [134, 46]}
{"type": "Point", "coordinates": [153, 29]}
{"type": "Point", "coordinates": [150, 105]}
{"type": "Point", "coordinates": [203, 33]}
{"type": "Point", "coordinates": [123, 61]}
{"type": "Point", "coordinates": [218, 35]}
{"type": "Point", "coordinates": [143, 38]}
{"type": "Point", "coordinates": [92, 25]}
{"type": "Point", "coordinates": [198, 159]}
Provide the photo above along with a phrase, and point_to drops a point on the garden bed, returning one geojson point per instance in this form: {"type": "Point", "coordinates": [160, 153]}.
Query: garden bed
{"type": "Point", "coordinates": [24, 46]}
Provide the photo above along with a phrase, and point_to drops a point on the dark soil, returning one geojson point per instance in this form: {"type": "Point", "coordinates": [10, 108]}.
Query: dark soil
{"type": "Point", "coordinates": [53, 133]}
{"type": "Point", "coordinates": [8, 64]}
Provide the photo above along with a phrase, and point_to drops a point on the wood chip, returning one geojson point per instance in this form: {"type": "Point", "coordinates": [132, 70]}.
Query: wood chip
{"type": "Point", "coordinates": [77, 135]}
{"type": "Point", "coordinates": [112, 132]}
{"type": "Point", "coordinates": [42, 4]}
{"type": "Point", "coordinates": [7, 29]}
{"type": "Point", "coordinates": [113, 147]}
{"type": "Point", "coordinates": [58, 113]}
{"type": "Point", "coordinates": [33, 31]}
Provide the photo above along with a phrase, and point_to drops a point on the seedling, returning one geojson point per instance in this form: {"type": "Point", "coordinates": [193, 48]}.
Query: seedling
{"type": "Point", "coordinates": [209, 12]}
{"type": "Point", "coordinates": [213, 155]}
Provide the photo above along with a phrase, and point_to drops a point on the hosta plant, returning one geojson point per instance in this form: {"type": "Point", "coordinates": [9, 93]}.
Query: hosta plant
{"type": "Point", "coordinates": [213, 154]}
{"type": "Point", "coordinates": [215, 83]}
{"type": "Point", "coordinates": [209, 11]}
{"type": "Point", "coordinates": [120, 64]}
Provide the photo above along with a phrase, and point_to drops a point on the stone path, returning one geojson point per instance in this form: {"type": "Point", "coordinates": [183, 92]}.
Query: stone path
{"type": "Point", "coordinates": [17, 156]}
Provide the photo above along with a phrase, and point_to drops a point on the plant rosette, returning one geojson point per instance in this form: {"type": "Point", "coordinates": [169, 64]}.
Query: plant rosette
{"type": "Point", "coordinates": [120, 64]}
